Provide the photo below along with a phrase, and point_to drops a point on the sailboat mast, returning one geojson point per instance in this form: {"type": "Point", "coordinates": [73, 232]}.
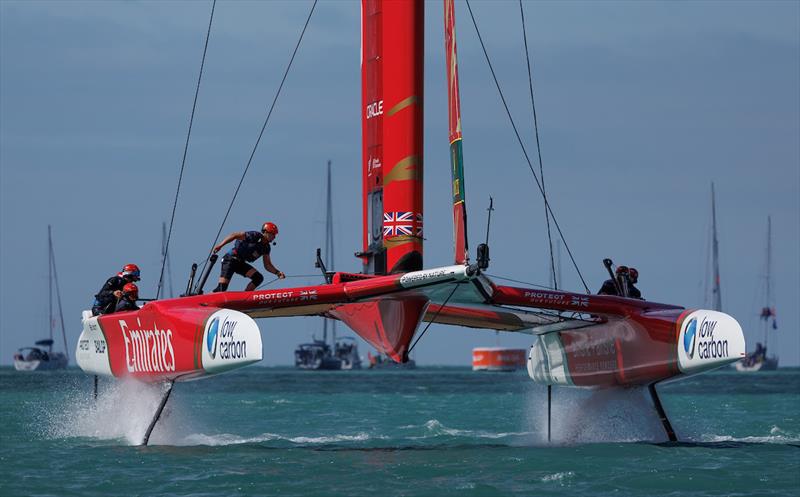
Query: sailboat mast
{"type": "Point", "coordinates": [58, 296]}
{"type": "Point", "coordinates": [717, 294]}
{"type": "Point", "coordinates": [768, 278]}
{"type": "Point", "coordinates": [329, 255]}
{"type": "Point", "coordinates": [50, 322]}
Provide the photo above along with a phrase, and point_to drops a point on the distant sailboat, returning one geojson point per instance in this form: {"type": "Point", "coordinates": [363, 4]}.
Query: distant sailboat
{"type": "Point", "coordinates": [342, 353]}
{"type": "Point", "coordinates": [36, 358]}
{"type": "Point", "coordinates": [758, 359]}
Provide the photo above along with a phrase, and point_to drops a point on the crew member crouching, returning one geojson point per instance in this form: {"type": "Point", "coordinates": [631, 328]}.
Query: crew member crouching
{"type": "Point", "coordinates": [249, 246]}
{"type": "Point", "coordinates": [106, 299]}
{"type": "Point", "coordinates": [130, 293]}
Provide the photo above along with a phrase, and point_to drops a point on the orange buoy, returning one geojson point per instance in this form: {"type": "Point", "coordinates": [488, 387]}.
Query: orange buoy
{"type": "Point", "coordinates": [498, 359]}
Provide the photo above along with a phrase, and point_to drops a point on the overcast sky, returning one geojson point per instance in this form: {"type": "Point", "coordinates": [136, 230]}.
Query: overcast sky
{"type": "Point", "coordinates": [641, 106]}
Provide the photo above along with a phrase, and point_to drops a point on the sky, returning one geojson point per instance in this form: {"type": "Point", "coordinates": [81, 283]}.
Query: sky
{"type": "Point", "coordinates": [641, 105]}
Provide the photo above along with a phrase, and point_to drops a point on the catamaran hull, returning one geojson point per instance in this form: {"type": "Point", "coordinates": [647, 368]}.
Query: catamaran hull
{"type": "Point", "coordinates": [639, 350]}
{"type": "Point", "coordinates": [168, 342]}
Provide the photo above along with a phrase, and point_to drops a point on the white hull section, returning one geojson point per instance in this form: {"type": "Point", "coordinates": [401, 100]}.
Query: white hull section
{"type": "Point", "coordinates": [92, 351]}
{"type": "Point", "coordinates": [709, 340]}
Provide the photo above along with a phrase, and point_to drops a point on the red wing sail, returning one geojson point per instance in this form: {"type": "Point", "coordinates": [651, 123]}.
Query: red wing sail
{"type": "Point", "coordinates": [392, 119]}
{"type": "Point", "coordinates": [456, 155]}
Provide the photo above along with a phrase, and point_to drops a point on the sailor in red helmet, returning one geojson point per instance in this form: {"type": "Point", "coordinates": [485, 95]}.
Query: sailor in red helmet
{"type": "Point", "coordinates": [633, 278]}
{"type": "Point", "coordinates": [130, 293]}
{"type": "Point", "coordinates": [106, 299]}
{"type": "Point", "coordinates": [625, 279]}
{"type": "Point", "coordinates": [610, 286]}
{"type": "Point", "coordinates": [249, 246]}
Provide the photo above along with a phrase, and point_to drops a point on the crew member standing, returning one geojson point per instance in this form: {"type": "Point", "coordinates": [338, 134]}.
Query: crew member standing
{"type": "Point", "coordinates": [130, 293]}
{"type": "Point", "coordinates": [249, 246]}
{"type": "Point", "coordinates": [106, 299]}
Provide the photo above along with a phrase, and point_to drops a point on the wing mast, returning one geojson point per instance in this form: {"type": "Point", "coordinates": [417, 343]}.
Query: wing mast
{"type": "Point", "coordinates": [392, 35]}
{"type": "Point", "coordinates": [461, 248]}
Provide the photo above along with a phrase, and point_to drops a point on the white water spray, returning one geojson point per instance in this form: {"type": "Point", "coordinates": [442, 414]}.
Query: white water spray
{"type": "Point", "coordinates": [122, 411]}
{"type": "Point", "coordinates": [595, 416]}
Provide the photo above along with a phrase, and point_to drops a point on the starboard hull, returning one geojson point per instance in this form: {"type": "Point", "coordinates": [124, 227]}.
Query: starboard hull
{"type": "Point", "coordinates": [640, 350]}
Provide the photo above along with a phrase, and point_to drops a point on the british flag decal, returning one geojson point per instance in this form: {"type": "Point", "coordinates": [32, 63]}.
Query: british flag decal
{"type": "Point", "coordinates": [402, 223]}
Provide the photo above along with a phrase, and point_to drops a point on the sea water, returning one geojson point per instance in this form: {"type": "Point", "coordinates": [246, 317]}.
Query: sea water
{"type": "Point", "coordinates": [429, 431]}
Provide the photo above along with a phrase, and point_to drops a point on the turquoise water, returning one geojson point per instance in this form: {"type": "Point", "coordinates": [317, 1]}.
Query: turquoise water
{"type": "Point", "coordinates": [431, 431]}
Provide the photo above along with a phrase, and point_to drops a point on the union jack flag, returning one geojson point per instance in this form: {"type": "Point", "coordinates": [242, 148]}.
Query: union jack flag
{"type": "Point", "coordinates": [401, 223]}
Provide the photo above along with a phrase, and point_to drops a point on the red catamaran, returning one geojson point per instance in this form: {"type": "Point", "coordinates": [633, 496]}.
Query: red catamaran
{"type": "Point", "coordinates": [578, 339]}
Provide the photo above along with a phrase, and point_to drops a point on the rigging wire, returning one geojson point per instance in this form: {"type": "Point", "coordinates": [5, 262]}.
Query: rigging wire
{"type": "Point", "coordinates": [538, 146]}
{"type": "Point", "coordinates": [521, 282]}
{"type": "Point", "coordinates": [185, 151]}
{"type": "Point", "coordinates": [260, 134]}
{"type": "Point", "coordinates": [524, 150]}
{"type": "Point", "coordinates": [268, 283]}
{"type": "Point", "coordinates": [455, 287]}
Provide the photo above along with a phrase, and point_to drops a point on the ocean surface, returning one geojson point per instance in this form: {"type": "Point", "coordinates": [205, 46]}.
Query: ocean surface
{"type": "Point", "coordinates": [430, 431]}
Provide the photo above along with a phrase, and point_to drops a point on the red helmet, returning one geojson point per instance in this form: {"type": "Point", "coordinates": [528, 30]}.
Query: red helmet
{"type": "Point", "coordinates": [131, 271]}
{"type": "Point", "coordinates": [634, 274]}
{"type": "Point", "coordinates": [269, 227]}
{"type": "Point", "coordinates": [131, 290]}
{"type": "Point", "coordinates": [622, 270]}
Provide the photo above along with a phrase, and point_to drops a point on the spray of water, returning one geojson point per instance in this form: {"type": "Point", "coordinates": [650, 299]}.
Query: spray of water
{"type": "Point", "coordinates": [122, 411]}
{"type": "Point", "coordinates": [594, 416]}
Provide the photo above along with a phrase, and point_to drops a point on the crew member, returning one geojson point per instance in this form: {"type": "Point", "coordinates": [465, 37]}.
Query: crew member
{"type": "Point", "coordinates": [249, 246]}
{"type": "Point", "coordinates": [106, 299]}
{"type": "Point", "coordinates": [610, 285]}
{"type": "Point", "coordinates": [130, 293]}
{"type": "Point", "coordinates": [633, 278]}
{"type": "Point", "coordinates": [626, 279]}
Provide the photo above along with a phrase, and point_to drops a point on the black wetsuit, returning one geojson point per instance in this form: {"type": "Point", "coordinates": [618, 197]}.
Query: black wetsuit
{"type": "Point", "coordinates": [244, 251]}
{"type": "Point", "coordinates": [609, 288]}
{"type": "Point", "coordinates": [126, 304]}
{"type": "Point", "coordinates": [105, 301]}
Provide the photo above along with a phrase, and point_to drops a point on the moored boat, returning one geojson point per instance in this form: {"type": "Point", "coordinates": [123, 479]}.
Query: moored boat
{"type": "Point", "coordinates": [316, 355]}
{"type": "Point", "coordinates": [346, 350]}
{"type": "Point", "coordinates": [37, 358]}
{"type": "Point", "coordinates": [758, 360]}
